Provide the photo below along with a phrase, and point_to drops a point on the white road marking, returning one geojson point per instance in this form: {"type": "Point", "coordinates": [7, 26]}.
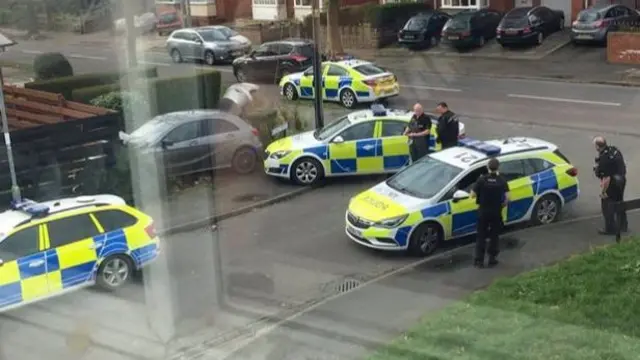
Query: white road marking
{"type": "Point", "coordinates": [431, 88]}
{"type": "Point", "coordinates": [33, 52]}
{"type": "Point", "coordinates": [575, 101]}
{"type": "Point", "coordinates": [80, 56]}
{"type": "Point", "coordinates": [154, 63]}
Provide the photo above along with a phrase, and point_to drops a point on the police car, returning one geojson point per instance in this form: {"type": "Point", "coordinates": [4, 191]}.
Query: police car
{"type": "Point", "coordinates": [428, 202]}
{"type": "Point", "coordinates": [348, 82]}
{"type": "Point", "coordinates": [55, 247]}
{"type": "Point", "coordinates": [360, 143]}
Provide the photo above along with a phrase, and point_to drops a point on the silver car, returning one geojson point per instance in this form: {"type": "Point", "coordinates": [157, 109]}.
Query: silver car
{"type": "Point", "coordinates": [593, 24]}
{"type": "Point", "coordinates": [211, 44]}
{"type": "Point", "coordinates": [188, 142]}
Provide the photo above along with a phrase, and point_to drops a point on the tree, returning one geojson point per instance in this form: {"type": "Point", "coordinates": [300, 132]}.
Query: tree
{"type": "Point", "coordinates": [334, 40]}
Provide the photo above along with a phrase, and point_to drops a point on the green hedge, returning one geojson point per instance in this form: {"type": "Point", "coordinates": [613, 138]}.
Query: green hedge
{"type": "Point", "coordinates": [201, 91]}
{"type": "Point", "coordinates": [50, 66]}
{"type": "Point", "coordinates": [66, 85]}
{"type": "Point", "coordinates": [86, 94]}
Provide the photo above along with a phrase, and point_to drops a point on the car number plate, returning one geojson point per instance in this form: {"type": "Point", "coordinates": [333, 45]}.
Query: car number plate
{"type": "Point", "coordinates": [453, 38]}
{"type": "Point", "coordinates": [410, 37]}
{"type": "Point", "coordinates": [354, 232]}
{"type": "Point", "coordinates": [584, 37]}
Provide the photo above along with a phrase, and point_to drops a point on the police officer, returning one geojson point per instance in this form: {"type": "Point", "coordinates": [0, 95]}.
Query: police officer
{"type": "Point", "coordinates": [418, 132]}
{"type": "Point", "coordinates": [448, 128]}
{"type": "Point", "coordinates": [611, 170]}
{"type": "Point", "coordinates": [491, 192]}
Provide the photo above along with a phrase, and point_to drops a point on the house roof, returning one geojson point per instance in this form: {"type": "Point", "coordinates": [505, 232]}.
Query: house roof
{"type": "Point", "coordinates": [28, 108]}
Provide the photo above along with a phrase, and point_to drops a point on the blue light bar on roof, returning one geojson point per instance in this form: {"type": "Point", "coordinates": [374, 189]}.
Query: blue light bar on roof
{"type": "Point", "coordinates": [480, 146]}
{"type": "Point", "coordinates": [30, 207]}
{"type": "Point", "coordinates": [378, 110]}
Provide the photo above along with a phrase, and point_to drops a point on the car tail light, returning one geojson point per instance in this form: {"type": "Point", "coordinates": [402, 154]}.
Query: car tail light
{"type": "Point", "coordinates": [150, 230]}
{"type": "Point", "coordinates": [499, 30]}
{"type": "Point", "coordinates": [526, 30]}
{"type": "Point", "coordinates": [601, 23]}
{"type": "Point", "coordinates": [369, 82]}
{"type": "Point", "coordinates": [255, 131]}
{"type": "Point", "coordinates": [466, 33]}
{"type": "Point", "coordinates": [572, 172]}
{"type": "Point", "coordinates": [299, 58]}
{"type": "Point", "coordinates": [574, 23]}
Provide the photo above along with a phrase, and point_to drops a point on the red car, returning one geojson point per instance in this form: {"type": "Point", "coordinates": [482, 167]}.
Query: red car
{"type": "Point", "coordinates": [168, 22]}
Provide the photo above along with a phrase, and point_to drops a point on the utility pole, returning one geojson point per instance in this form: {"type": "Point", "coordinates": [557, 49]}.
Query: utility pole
{"type": "Point", "coordinates": [317, 66]}
{"type": "Point", "coordinates": [186, 13]}
{"type": "Point", "coordinates": [132, 54]}
{"type": "Point", "coordinates": [15, 189]}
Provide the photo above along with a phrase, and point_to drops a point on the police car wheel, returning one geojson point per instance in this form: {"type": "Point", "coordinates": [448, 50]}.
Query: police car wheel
{"type": "Point", "coordinates": [425, 240]}
{"type": "Point", "coordinates": [307, 171]}
{"type": "Point", "coordinates": [546, 210]}
{"type": "Point", "coordinates": [290, 92]}
{"type": "Point", "coordinates": [244, 161]}
{"type": "Point", "coordinates": [348, 99]}
{"type": "Point", "coordinates": [114, 272]}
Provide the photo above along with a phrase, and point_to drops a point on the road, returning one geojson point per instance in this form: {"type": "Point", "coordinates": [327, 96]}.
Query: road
{"type": "Point", "coordinates": [283, 256]}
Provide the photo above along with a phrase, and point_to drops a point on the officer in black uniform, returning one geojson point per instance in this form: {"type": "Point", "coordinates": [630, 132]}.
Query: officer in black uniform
{"type": "Point", "coordinates": [448, 127]}
{"type": "Point", "coordinates": [418, 132]}
{"type": "Point", "coordinates": [612, 171]}
{"type": "Point", "coordinates": [491, 192]}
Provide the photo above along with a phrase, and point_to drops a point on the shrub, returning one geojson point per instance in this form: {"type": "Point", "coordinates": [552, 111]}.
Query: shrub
{"type": "Point", "coordinates": [51, 66]}
{"type": "Point", "coordinates": [201, 91]}
{"type": "Point", "coordinates": [118, 100]}
{"type": "Point", "coordinates": [86, 94]}
{"type": "Point", "coordinates": [66, 85]}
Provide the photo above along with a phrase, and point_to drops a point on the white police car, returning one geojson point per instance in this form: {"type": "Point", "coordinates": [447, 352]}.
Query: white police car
{"type": "Point", "coordinates": [428, 202]}
{"type": "Point", "coordinates": [359, 143]}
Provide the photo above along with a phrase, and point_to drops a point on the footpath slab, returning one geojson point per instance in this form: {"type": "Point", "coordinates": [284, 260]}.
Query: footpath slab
{"type": "Point", "coordinates": [352, 325]}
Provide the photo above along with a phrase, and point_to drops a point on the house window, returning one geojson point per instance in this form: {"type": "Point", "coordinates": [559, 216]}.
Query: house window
{"type": "Point", "coordinates": [202, 1]}
{"type": "Point", "coordinates": [303, 2]}
{"type": "Point", "coordinates": [264, 2]}
{"type": "Point", "coordinates": [465, 4]}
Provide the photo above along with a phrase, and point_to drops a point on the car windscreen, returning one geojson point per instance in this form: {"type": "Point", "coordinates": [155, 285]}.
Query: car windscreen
{"type": "Point", "coordinates": [416, 23]}
{"type": "Point", "coordinates": [425, 178]}
{"type": "Point", "coordinates": [588, 15]}
{"type": "Point", "coordinates": [368, 69]}
{"type": "Point", "coordinates": [332, 129]}
{"type": "Point", "coordinates": [168, 18]}
{"type": "Point", "coordinates": [459, 22]}
{"type": "Point", "coordinates": [149, 131]}
{"type": "Point", "coordinates": [515, 20]}
{"type": "Point", "coordinates": [213, 35]}
{"type": "Point", "coordinates": [227, 32]}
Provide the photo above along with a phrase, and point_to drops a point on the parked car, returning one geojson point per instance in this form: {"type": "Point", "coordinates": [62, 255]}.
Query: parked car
{"type": "Point", "coordinates": [274, 60]}
{"type": "Point", "coordinates": [423, 29]}
{"type": "Point", "coordinates": [471, 28]}
{"type": "Point", "coordinates": [168, 21]}
{"type": "Point", "coordinates": [211, 44]}
{"type": "Point", "coordinates": [593, 24]}
{"type": "Point", "coordinates": [189, 142]}
{"type": "Point", "coordinates": [529, 25]}
{"type": "Point", "coordinates": [143, 23]}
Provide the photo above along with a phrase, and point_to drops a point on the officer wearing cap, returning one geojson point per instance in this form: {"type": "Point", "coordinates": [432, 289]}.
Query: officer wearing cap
{"type": "Point", "coordinates": [418, 132]}
{"type": "Point", "coordinates": [611, 170]}
{"type": "Point", "coordinates": [491, 192]}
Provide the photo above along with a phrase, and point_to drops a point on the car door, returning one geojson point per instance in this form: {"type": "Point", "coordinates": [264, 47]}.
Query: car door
{"type": "Point", "coordinates": [354, 150]}
{"type": "Point", "coordinates": [267, 61]}
{"type": "Point", "coordinates": [394, 145]}
{"type": "Point", "coordinates": [183, 149]}
{"type": "Point", "coordinates": [23, 269]}
{"type": "Point", "coordinates": [223, 139]}
{"type": "Point", "coordinates": [71, 240]}
{"type": "Point", "coordinates": [335, 78]}
{"type": "Point", "coordinates": [197, 45]}
{"type": "Point", "coordinates": [521, 188]}
{"type": "Point", "coordinates": [464, 213]}
{"type": "Point", "coordinates": [307, 84]}
{"type": "Point", "coordinates": [186, 44]}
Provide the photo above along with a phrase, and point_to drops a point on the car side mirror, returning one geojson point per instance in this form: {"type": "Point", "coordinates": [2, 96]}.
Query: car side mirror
{"type": "Point", "coordinates": [460, 195]}
{"type": "Point", "coordinates": [338, 140]}
{"type": "Point", "coordinates": [166, 143]}
{"type": "Point", "coordinates": [198, 41]}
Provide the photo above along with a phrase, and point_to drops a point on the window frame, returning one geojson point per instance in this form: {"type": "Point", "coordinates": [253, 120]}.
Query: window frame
{"type": "Point", "coordinates": [38, 248]}
{"type": "Point", "coordinates": [479, 4]}
{"type": "Point", "coordinates": [102, 223]}
{"type": "Point", "coordinates": [264, 2]}
{"type": "Point", "coordinates": [213, 127]}
{"type": "Point", "coordinates": [49, 232]}
{"type": "Point", "coordinates": [368, 123]}
{"type": "Point", "coordinates": [448, 195]}
{"type": "Point", "coordinates": [300, 3]}
{"type": "Point", "coordinates": [198, 122]}
{"type": "Point", "coordinates": [522, 165]}
{"type": "Point", "coordinates": [388, 121]}
{"type": "Point", "coordinates": [332, 66]}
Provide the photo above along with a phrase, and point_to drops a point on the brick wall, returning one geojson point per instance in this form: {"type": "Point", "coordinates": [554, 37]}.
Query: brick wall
{"type": "Point", "coordinates": [623, 48]}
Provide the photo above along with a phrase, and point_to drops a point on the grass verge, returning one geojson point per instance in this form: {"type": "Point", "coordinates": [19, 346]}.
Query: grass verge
{"type": "Point", "coordinates": [15, 65]}
{"type": "Point", "coordinates": [584, 308]}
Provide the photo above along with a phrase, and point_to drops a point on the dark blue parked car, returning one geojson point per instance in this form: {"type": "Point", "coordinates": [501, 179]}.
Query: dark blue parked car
{"type": "Point", "coordinates": [471, 28]}
{"type": "Point", "coordinates": [423, 29]}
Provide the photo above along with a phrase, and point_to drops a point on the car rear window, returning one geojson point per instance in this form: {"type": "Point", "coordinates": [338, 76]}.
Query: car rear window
{"type": "Point", "coordinates": [588, 15]}
{"type": "Point", "coordinates": [168, 18]}
{"type": "Point", "coordinates": [459, 22]}
{"type": "Point", "coordinates": [416, 23]}
{"type": "Point", "coordinates": [369, 69]}
{"type": "Point", "coordinates": [114, 219]}
{"type": "Point", "coordinates": [305, 50]}
{"type": "Point", "coordinates": [515, 21]}
{"type": "Point", "coordinates": [562, 156]}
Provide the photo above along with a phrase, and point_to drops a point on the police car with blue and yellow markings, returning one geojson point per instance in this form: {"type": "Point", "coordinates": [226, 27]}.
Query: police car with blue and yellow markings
{"type": "Point", "coordinates": [428, 202]}
{"type": "Point", "coordinates": [348, 82]}
{"type": "Point", "coordinates": [52, 248]}
{"type": "Point", "coordinates": [360, 143]}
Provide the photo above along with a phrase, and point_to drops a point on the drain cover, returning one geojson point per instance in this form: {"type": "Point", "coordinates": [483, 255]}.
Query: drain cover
{"type": "Point", "coordinates": [347, 285]}
{"type": "Point", "coordinates": [250, 197]}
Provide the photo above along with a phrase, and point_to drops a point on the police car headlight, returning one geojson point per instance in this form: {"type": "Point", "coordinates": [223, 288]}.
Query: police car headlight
{"type": "Point", "coordinates": [392, 222]}
{"type": "Point", "coordinates": [280, 154]}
